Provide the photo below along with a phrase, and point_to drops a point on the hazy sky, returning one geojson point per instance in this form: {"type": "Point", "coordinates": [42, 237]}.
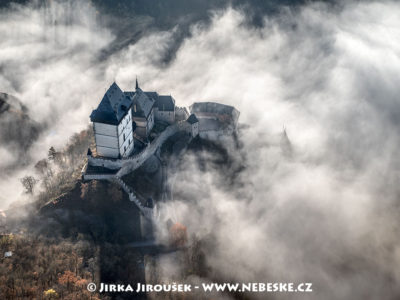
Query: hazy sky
{"type": "Point", "coordinates": [330, 213]}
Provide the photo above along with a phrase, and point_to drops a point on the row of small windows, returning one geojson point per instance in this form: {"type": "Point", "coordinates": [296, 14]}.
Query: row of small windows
{"type": "Point", "coordinates": [129, 144]}
{"type": "Point", "coordinates": [129, 118]}
{"type": "Point", "coordinates": [125, 139]}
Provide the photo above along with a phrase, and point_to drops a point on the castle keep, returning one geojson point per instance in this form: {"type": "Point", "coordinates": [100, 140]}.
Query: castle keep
{"type": "Point", "coordinates": [122, 117]}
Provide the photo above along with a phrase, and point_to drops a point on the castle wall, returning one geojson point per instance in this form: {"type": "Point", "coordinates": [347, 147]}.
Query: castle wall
{"type": "Point", "coordinates": [105, 129]}
{"type": "Point", "coordinates": [165, 116]}
{"type": "Point", "coordinates": [195, 129]}
{"type": "Point", "coordinates": [107, 152]}
{"type": "Point", "coordinates": [107, 163]}
{"type": "Point", "coordinates": [106, 139]}
{"type": "Point", "coordinates": [235, 116]}
{"type": "Point", "coordinates": [140, 122]}
{"type": "Point", "coordinates": [97, 176]}
{"type": "Point", "coordinates": [216, 135]}
{"type": "Point", "coordinates": [141, 131]}
{"type": "Point", "coordinates": [144, 126]}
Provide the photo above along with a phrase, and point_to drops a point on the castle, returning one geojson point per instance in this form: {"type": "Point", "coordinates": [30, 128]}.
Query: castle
{"type": "Point", "coordinates": [122, 117]}
{"type": "Point", "coordinates": [130, 127]}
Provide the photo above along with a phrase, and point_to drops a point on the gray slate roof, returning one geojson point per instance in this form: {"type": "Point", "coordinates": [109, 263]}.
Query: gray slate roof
{"type": "Point", "coordinates": [192, 119]}
{"type": "Point", "coordinates": [165, 103]}
{"type": "Point", "coordinates": [152, 95]}
{"type": "Point", "coordinates": [116, 103]}
{"type": "Point", "coordinates": [112, 107]}
{"type": "Point", "coordinates": [162, 102]}
{"type": "Point", "coordinates": [143, 103]}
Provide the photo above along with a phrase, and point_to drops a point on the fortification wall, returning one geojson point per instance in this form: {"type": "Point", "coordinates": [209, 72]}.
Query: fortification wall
{"type": "Point", "coordinates": [215, 135]}
{"type": "Point", "coordinates": [98, 176]}
{"type": "Point", "coordinates": [112, 164]}
{"type": "Point", "coordinates": [146, 211]}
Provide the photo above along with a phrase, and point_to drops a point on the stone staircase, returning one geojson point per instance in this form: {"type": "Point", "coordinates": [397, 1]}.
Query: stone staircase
{"type": "Point", "coordinates": [146, 211]}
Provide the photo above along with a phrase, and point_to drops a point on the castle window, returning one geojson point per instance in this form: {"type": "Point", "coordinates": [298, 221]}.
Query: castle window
{"type": "Point", "coordinates": [124, 136]}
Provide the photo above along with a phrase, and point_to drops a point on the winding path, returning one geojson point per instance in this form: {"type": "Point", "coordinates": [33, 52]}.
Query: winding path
{"type": "Point", "coordinates": [130, 164]}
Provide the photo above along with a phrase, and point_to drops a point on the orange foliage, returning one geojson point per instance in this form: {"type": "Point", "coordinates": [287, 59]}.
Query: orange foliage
{"type": "Point", "coordinates": [67, 278]}
{"type": "Point", "coordinates": [81, 283]}
{"type": "Point", "coordinates": [178, 235]}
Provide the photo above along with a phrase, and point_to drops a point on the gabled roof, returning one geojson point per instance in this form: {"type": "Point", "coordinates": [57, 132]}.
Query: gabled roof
{"type": "Point", "coordinates": [147, 100]}
{"type": "Point", "coordinates": [143, 103]}
{"type": "Point", "coordinates": [152, 95]}
{"type": "Point", "coordinates": [162, 102]}
{"type": "Point", "coordinates": [165, 103]}
{"type": "Point", "coordinates": [192, 119]}
{"type": "Point", "coordinates": [112, 107]}
{"type": "Point", "coordinates": [116, 103]}
{"type": "Point", "coordinates": [115, 95]}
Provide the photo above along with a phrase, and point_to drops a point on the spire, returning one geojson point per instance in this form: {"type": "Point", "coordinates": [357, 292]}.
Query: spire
{"type": "Point", "coordinates": [137, 84]}
{"type": "Point", "coordinates": [286, 145]}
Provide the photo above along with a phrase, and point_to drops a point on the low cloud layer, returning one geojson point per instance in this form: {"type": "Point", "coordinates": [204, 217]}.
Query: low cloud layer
{"type": "Point", "coordinates": [49, 60]}
{"type": "Point", "coordinates": [328, 214]}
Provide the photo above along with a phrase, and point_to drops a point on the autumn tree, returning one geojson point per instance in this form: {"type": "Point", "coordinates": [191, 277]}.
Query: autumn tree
{"type": "Point", "coordinates": [84, 189]}
{"type": "Point", "coordinates": [67, 278]}
{"type": "Point", "coordinates": [50, 294]}
{"type": "Point", "coordinates": [178, 235]}
{"type": "Point", "coordinates": [36, 273]}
